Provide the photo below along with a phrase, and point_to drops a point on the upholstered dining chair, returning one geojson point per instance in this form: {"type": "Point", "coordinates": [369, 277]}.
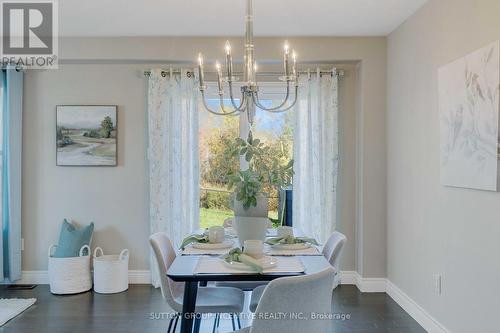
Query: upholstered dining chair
{"type": "Point", "coordinates": [214, 300]}
{"type": "Point", "coordinates": [299, 295]}
{"type": "Point", "coordinates": [332, 251]}
{"type": "Point", "coordinates": [228, 222]}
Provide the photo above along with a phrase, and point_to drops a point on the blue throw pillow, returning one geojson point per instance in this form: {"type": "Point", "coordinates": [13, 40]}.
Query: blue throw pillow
{"type": "Point", "coordinates": [71, 239]}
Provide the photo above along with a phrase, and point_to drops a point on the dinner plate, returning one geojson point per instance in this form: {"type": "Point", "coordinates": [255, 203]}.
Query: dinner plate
{"type": "Point", "coordinates": [266, 262]}
{"type": "Point", "coordinates": [292, 247]}
{"type": "Point", "coordinates": [213, 246]}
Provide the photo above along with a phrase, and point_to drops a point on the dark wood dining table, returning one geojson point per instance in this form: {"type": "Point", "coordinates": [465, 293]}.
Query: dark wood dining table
{"type": "Point", "coordinates": [183, 269]}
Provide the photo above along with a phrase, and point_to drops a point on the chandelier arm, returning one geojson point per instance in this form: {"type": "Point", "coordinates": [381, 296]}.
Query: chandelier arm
{"type": "Point", "coordinates": [281, 110]}
{"type": "Point", "coordinates": [240, 108]}
{"type": "Point", "coordinates": [259, 104]}
{"type": "Point", "coordinates": [235, 111]}
{"type": "Point", "coordinates": [222, 107]}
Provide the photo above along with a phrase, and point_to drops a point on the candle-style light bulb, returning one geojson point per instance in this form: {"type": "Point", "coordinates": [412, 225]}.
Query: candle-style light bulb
{"type": "Point", "coordinates": [294, 66]}
{"type": "Point", "coordinates": [200, 72]}
{"type": "Point", "coordinates": [219, 77]}
{"type": "Point", "coordinates": [286, 59]}
{"type": "Point", "coordinates": [229, 62]}
{"type": "Point", "coordinates": [287, 47]}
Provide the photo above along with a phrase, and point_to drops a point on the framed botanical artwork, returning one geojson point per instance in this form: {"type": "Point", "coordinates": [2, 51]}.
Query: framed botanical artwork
{"type": "Point", "coordinates": [86, 135]}
{"type": "Point", "coordinates": [469, 115]}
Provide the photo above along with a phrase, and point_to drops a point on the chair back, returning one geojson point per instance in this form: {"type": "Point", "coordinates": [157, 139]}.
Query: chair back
{"type": "Point", "coordinates": [333, 249]}
{"type": "Point", "coordinates": [297, 297]}
{"type": "Point", "coordinates": [165, 255]}
{"type": "Point", "coordinates": [228, 222]}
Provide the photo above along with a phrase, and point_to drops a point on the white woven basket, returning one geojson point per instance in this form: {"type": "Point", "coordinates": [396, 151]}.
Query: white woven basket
{"type": "Point", "coordinates": [70, 275]}
{"type": "Point", "coordinates": [110, 272]}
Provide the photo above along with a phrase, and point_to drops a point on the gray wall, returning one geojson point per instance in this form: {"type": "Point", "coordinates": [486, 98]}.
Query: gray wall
{"type": "Point", "coordinates": [116, 199]}
{"type": "Point", "coordinates": [434, 229]}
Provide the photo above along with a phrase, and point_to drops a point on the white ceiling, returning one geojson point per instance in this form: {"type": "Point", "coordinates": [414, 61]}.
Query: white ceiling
{"type": "Point", "coordinates": [226, 17]}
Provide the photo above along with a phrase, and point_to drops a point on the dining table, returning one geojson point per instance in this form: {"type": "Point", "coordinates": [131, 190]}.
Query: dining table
{"type": "Point", "coordinates": [184, 269]}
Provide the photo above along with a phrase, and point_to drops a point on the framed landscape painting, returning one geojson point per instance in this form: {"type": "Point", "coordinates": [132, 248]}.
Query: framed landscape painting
{"type": "Point", "coordinates": [86, 135]}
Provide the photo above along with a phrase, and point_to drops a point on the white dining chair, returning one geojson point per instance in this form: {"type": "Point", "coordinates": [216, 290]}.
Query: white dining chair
{"type": "Point", "coordinates": [299, 295]}
{"type": "Point", "coordinates": [214, 300]}
{"type": "Point", "coordinates": [332, 252]}
{"type": "Point", "coordinates": [228, 222]}
{"type": "Point", "coordinates": [333, 248]}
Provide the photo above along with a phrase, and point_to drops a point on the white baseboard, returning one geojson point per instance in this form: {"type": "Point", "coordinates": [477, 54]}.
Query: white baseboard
{"type": "Point", "coordinates": [139, 277]}
{"type": "Point", "coordinates": [421, 316]}
{"type": "Point", "coordinates": [42, 277]}
{"type": "Point", "coordinates": [33, 277]}
{"type": "Point", "coordinates": [370, 285]}
{"type": "Point", "coordinates": [348, 277]}
{"type": "Point", "coordinates": [365, 285]}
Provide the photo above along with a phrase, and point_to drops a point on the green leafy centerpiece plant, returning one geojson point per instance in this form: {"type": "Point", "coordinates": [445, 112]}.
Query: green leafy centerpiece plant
{"type": "Point", "coordinates": [251, 186]}
{"type": "Point", "coordinates": [263, 173]}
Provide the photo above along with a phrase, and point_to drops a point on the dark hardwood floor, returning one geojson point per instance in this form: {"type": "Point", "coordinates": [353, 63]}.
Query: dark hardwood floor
{"type": "Point", "coordinates": [141, 309]}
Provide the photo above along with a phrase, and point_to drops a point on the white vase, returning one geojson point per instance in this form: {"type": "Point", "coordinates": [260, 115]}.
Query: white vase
{"type": "Point", "coordinates": [250, 228]}
{"type": "Point", "coordinates": [261, 210]}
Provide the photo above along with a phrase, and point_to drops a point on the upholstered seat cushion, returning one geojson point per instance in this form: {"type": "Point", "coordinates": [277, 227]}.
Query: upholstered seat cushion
{"type": "Point", "coordinates": [256, 295]}
{"type": "Point", "coordinates": [218, 300]}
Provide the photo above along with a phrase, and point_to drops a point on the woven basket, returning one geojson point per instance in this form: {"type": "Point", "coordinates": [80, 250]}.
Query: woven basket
{"type": "Point", "coordinates": [110, 272]}
{"type": "Point", "coordinates": [70, 275]}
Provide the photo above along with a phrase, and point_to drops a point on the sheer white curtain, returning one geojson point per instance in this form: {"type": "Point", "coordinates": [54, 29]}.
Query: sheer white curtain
{"type": "Point", "coordinates": [316, 155]}
{"type": "Point", "coordinates": [173, 156]}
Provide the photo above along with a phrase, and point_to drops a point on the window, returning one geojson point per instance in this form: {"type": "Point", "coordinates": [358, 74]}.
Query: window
{"type": "Point", "coordinates": [274, 129]}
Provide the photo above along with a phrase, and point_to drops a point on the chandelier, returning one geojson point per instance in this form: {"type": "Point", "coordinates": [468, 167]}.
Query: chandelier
{"type": "Point", "coordinates": [249, 90]}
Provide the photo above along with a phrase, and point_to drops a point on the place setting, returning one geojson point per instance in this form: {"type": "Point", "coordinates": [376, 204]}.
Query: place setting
{"type": "Point", "coordinates": [287, 244]}
{"type": "Point", "coordinates": [213, 241]}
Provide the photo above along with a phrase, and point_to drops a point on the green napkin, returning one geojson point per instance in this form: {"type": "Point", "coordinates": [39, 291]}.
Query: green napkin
{"type": "Point", "coordinates": [290, 240]}
{"type": "Point", "coordinates": [237, 255]}
{"type": "Point", "coordinates": [194, 239]}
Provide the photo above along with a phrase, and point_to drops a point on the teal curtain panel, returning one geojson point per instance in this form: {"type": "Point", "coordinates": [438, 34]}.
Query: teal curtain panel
{"type": "Point", "coordinates": [11, 122]}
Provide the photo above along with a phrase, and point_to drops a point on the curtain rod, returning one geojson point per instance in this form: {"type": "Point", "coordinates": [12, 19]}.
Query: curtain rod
{"type": "Point", "coordinates": [338, 72]}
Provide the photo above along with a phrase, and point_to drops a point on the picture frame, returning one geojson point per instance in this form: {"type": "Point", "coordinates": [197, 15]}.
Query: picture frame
{"type": "Point", "coordinates": [86, 135]}
{"type": "Point", "coordinates": [469, 110]}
